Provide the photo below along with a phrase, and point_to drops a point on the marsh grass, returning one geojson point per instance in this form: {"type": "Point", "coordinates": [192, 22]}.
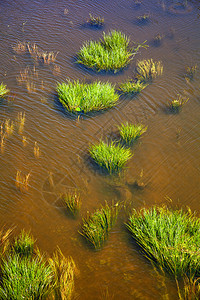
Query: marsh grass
{"type": "Point", "coordinates": [111, 53]}
{"type": "Point", "coordinates": [175, 105]}
{"type": "Point", "coordinates": [148, 69]}
{"type": "Point", "coordinates": [8, 127]}
{"type": "Point", "coordinates": [95, 21]}
{"type": "Point", "coordinates": [143, 19]}
{"type": "Point", "coordinates": [96, 227]}
{"type": "Point", "coordinates": [36, 150]}
{"type": "Point", "coordinates": [25, 278]}
{"type": "Point", "coordinates": [22, 181]}
{"type": "Point", "coordinates": [190, 72]}
{"type": "Point", "coordinates": [20, 47]}
{"type": "Point", "coordinates": [4, 241]}
{"type": "Point", "coordinates": [82, 97]}
{"type": "Point", "coordinates": [23, 244]}
{"type": "Point", "coordinates": [132, 87]}
{"type": "Point", "coordinates": [112, 157]}
{"type": "Point", "coordinates": [40, 56]}
{"type": "Point", "coordinates": [28, 78]}
{"type": "Point", "coordinates": [168, 238]}
{"type": "Point", "coordinates": [73, 202]}
{"type": "Point", "coordinates": [3, 90]}
{"type": "Point", "coordinates": [130, 132]}
{"type": "Point", "coordinates": [64, 270]}
{"type": "Point", "coordinates": [21, 121]}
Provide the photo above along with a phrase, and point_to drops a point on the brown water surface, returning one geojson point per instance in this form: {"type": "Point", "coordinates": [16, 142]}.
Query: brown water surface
{"type": "Point", "coordinates": [168, 154]}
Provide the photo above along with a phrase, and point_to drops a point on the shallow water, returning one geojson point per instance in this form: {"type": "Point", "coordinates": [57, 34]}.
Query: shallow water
{"type": "Point", "coordinates": [168, 154]}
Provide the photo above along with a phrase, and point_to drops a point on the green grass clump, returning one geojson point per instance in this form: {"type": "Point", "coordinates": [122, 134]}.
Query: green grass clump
{"type": "Point", "coordinates": [148, 69]}
{"type": "Point", "coordinates": [176, 104]}
{"type": "Point", "coordinates": [169, 238]}
{"type": "Point", "coordinates": [82, 97]}
{"type": "Point", "coordinates": [111, 157]}
{"type": "Point", "coordinates": [3, 90]}
{"type": "Point", "coordinates": [72, 201]}
{"type": "Point", "coordinates": [96, 227]}
{"type": "Point", "coordinates": [132, 87]}
{"type": "Point", "coordinates": [25, 278]}
{"type": "Point", "coordinates": [110, 53]}
{"type": "Point", "coordinates": [130, 132]}
{"type": "Point", "coordinates": [24, 244]}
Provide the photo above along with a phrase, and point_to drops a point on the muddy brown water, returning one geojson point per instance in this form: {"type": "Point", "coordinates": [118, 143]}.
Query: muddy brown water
{"type": "Point", "coordinates": [168, 154]}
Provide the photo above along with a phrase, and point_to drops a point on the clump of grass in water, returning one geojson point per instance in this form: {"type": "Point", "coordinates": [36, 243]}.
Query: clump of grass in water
{"type": "Point", "coordinates": [176, 104]}
{"type": "Point", "coordinates": [22, 181]}
{"type": "Point", "coordinates": [111, 157]}
{"type": "Point", "coordinates": [132, 87]}
{"type": "Point", "coordinates": [21, 121]}
{"type": "Point", "coordinates": [190, 72]}
{"type": "Point", "coordinates": [97, 226]}
{"type": "Point", "coordinates": [169, 238]}
{"type": "Point", "coordinates": [148, 69]}
{"type": "Point", "coordinates": [82, 97]}
{"type": "Point", "coordinates": [64, 270]}
{"type": "Point", "coordinates": [3, 90]}
{"type": "Point", "coordinates": [20, 47]}
{"type": "Point", "coordinates": [95, 21]}
{"type": "Point", "coordinates": [23, 244]}
{"type": "Point", "coordinates": [25, 278]}
{"type": "Point", "coordinates": [40, 56]}
{"type": "Point", "coordinates": [110, 53]}
{"type": "Point", "coordinates": [143, 19]}
{"type": "Point", "coordinates": [130, 132]}
{"type": "Point", "coordinates": [72, 201]}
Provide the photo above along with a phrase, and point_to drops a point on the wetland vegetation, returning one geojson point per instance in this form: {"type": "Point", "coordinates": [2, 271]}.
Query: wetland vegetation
{"type": "Point", "coordinates": [131, 132]}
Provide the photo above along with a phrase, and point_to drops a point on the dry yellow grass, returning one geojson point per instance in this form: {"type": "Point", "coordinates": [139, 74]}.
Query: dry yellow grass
{"type": "Point", "coordinates": [149, 69]}
{"type": "Point", "coordinates": [22, 181]}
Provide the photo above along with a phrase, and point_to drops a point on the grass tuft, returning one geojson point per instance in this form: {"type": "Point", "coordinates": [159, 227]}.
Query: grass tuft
{"type": "Point", "coordinates": [110, 53]}
{"type": "Point", "coordinates": [111, 157]}
{"type": "Point", "coordinates": [130, 132]}
{"type": "Point", "coordinates": [82, 97]}
{"type": "Point", "coordinates": [148, 69]}
{"type": "Point", "coordinates": [176, 104]}
{"type": "Point", "coordinates": [95, 21]}
{"type": "Point", "coordinates": [24, 244]}
{"type": "Point", "coordinates": [3, 90]}
{"type": "Point", "coordinates": [97, 226]}
{"type": "Point", "coordinates": [169, 238]}
{"type": "Point", "coordinates": [132, 87]}
{"type": "Point", "coordinates": [73, 202]}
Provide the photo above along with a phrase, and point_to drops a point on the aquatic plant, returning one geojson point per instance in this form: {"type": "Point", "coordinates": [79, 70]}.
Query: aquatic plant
{"type": "Point", "coordinates": [22, 181]}
{"type": "Point", "coordinates": [23, 244]}
{"type": "Point", "coordinates": [95, 21]}
{"type": "Point", "coordinates": [157, 40]}
{"type": "Point", "coordinates": [110, 53]}
{"type": "Point", "coordinates": [21, 121]}
{"type": "Point", "coordinates": [111, 157]}
{"type": "Point", "coordinates": [36, 150]}
{"type": "Point", "coordinates": [25, 278]}
{"type": "Point", "coordinates": [132, 87]}
{"type": "Point", "coordinates": [175, 105]}
{"type": "Point", "coordinates": [82, 97]}
{"type": "Point", "coordinates": [3, 90]}
{"type": "Point", "coordinates": [4, 241]}
{"type": "Point", "coordinates": [20, 47]}
{"type": "Point", "coordinates": [190, 72]}
{"type": "Point", "coordinates": [8, 127]}
{"type": "Point", "coordinates": [148, 69]}
{"type": "Point", "coordinates": [96, 227]}
{"type": "Point", "coordinates": [130, 132]}
{"type": "Point", "coordinates": [143, 19]}
{"type": "Point", "coordinates": [72, 201]}
{"type": "Point", "coordinates": [40, 56]}
{"type": "Point", "coordinates": [64, 270]}
{"type": "Point", "coordinates": [169, 238]}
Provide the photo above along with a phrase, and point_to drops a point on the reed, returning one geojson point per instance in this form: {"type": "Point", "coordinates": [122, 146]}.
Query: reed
{"type": "Point", "coordinates": [64, 270]}
{"type": "Point", "coordinates": [23, 245]}
{"type": "Point", "coordinates": [170, 239]}
{"type": "Point", "coordinates": [132, 87]}
{"type": "Point", "coordinates": [82, 97]}
{"type": "Point", "coordinates": [110, 53]}
{"type": "Point", "coordinates": [175, 105]}
{"type": "Point", "coordinates": [22, 181]}
{"type": "Point", "coordinates": [95, 21]}
{"type": "Point", "coordinates": [25, 278]}
{"type": "Point", "coordinates": [112, 157]}
{"type": "Point", "coordinates": [36, 150]}
{"type": "Point", "coordinates": [130, 132]}
{"type": "Point", "coordinates": [96, 227]}
{"type": "Point", "coordinates": [72, 201]}
{"type": "Point", "coordinates": [148, 69]}
{"type": "Point", "coordinates": [3, 90]}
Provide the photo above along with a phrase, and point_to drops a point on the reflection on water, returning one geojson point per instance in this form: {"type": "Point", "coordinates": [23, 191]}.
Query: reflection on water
{"type": "Point", "coordinates": [52, 145]}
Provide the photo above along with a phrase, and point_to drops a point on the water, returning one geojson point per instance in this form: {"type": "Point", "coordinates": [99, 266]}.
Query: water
{"type": "Point", "coordinates": [168, 154]}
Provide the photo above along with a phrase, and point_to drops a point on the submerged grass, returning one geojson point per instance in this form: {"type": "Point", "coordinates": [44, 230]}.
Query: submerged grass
{"type": "Point", "coordinates": [110, 53]}
{"type": "Point", "coordinates": [130, 132]}
{"type": "Point", "coordinates": [96, 227]}
{"type": "Point", "coordinates": [148, 69]}
{"type": "Point", "coordinates": [132, 87]}
{"type": "Point", "coordinates": [82, 97]}
{"type": "Point", "coordinates": [111, 157]}
{"type": "Point", "coordinates": [95, 21]}
{"type": "Point", "coordinates": [72, 201]}
{"type": "Point", "coordinates": [3, 90]}
{"type": "Point", "coordinates": [169, 238]}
